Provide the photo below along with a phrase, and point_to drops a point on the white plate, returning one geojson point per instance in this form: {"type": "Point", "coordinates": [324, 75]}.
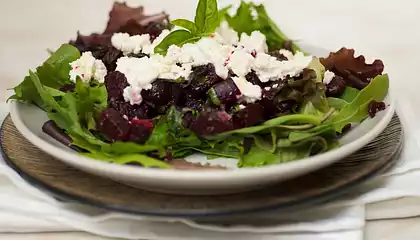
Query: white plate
{"type": "Point", "coordinates": [29, 119]}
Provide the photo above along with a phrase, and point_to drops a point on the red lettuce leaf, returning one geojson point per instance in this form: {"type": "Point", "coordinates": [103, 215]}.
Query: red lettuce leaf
{"type": "Point", "coordinates": [355, 71]}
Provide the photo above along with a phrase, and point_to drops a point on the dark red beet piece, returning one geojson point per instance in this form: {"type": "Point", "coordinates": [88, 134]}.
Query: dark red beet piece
{"type": "Point", "coordinates": [110, 58]}
{"type": "Point", "coordinates": [251, 115]}
{"type": "Point", "coordinates": [146, 123]}
{"type": "Point", "coordinates": [336, 87]}
{"type": "Point", "coordinates": [115, 82]}
{"type": "Point", "coordinates": [162, 94]}
{"type": "Point", "coordinates": [113, 125]}
{"type": "Point", "coordinates": [211, 122]}
{"type": "Point", "coordinates": [374, 107]}
{"type": "Point", "coordinates": [138, 133]}
{"type": "Point", "coordinates": [226, 91]}
{"type": "Point", "coordinates": [202, 78]}
{"type": "Point", "coordinates": [142, 111]}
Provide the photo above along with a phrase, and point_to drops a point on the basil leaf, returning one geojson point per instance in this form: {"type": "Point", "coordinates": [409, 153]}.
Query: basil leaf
{"type": "Point", "coordinates": [187, 24]}
{"type": "Point", "coordinates": [207, 16]}
{"type": "Point", "coordinates": [178, 37]}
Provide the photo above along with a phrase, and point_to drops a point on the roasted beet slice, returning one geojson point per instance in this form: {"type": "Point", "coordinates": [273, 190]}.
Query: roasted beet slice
{"type": "Point", "coordinates": [203, 77]}
{"type": "Point", "coordinates": [162, 94]}
{"type": "Point", "coordinates": [225, 92]}
{"type": "Point", "coordinates": [212, 121]}
{"type": "Point", "coordinates": [275, 107]}
{"type": "Point", "coordinates": [115, 82]}
{"type": "Point", "coordinates": [142, 111]}
{"type": "Point", "coordinates": [138, 133]}
{"type": "Point", "coordinates": [110, 58]}
{"type": "Point", "coordinates": [113, 125]}
{"type": "Point", "coordinates": [374, 107]}
{"type": "Point", "coordinates": [336, 87]}
{"type": "Point", "coordinates": [271, 90]}
{"type": "Point", "coordinates": [251, 115]}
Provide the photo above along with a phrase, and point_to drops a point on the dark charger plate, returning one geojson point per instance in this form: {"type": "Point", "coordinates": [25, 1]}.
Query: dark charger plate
{"type": "Point", "coordinates": [69, 184]}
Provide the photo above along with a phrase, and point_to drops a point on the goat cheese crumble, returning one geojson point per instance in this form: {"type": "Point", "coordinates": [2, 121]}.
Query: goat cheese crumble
{"type": "Point", "coordinates": [88, 67]}
{"type": "Point", "coordinates": [223, 49]}
{"type": "Point", "coordinates": [328, 77]}
{"type": "Point", "coordinates": [130, 44]}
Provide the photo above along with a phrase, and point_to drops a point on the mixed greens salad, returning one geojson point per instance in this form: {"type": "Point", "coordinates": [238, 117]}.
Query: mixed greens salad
{"type": "Point", "coordinates": [151, 91]}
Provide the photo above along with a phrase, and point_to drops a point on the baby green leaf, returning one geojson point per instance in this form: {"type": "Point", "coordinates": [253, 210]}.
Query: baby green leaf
{"type": "Point", "coordinates": [178, 37]}
{"type": "Point", "coordinates": [187, 24]}
{"type": "Point", "coordinates": [207, 16]}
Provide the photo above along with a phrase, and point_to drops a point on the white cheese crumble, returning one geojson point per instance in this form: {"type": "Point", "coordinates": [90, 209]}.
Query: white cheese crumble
{"type": "Point", "coordinates": [130, 44]}
{"type": "Point", "coordinates": [250, 92]}
{"type": "Point", "coordinates": [140, 72]}
{"type": "Point", "coordinates": [150, 49]}
{"type": "Point", "coordinates": [255, 42]}
{"type": "Point", "coordinates": [288, 54]}
{"type": "Point", "coordinates": [223, 49]}
{"type": "Point", "coordinates": [226, 35]}
{"type": "Point", "coordinates": [88, 67]}
{"type": "Point", "coordinates": [328, 77]}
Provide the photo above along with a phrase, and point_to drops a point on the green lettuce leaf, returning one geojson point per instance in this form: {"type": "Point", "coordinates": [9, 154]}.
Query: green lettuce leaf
{"type": "Point", "coordinates": [53, 73]}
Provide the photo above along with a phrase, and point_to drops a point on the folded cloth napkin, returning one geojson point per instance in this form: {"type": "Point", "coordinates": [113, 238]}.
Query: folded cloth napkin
{"type": "Point", "coordinates": [24, 208]}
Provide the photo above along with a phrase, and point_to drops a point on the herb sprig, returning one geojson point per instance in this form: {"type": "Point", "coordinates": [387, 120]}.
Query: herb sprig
{"type": "Point", "coordinates": [205, 23]}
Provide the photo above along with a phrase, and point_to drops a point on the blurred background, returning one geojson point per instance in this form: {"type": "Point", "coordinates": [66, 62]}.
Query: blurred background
{"type": "Point", "coordinates": [385, 29]}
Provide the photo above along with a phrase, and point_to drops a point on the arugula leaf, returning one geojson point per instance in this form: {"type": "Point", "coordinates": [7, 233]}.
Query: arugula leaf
{"type": "Point", "coordinates": [178, 37]}
{"type": "Point", "coordinates": [319, 69]}
{"type": "Point", "coordinates": [349, 94]}
{"type": "Point", "coordinates": [357, 110]}
{"type": "Point", "coordinates": [127, 147]}
{"type": "Point", "coordinates": [169, 132]}
{"type": "Point", "coordinates": [337, 103]}
{"type": "Point", "coordinates": [53, 73]}
{"type": "Point", "coordinates": [272, 123]}
{"type": "Point", "coordinates": [244, 22]}
{"type": "Point", "coordinates": [187, 24]}
{"type": "Point", "coordinates": [258, 157]}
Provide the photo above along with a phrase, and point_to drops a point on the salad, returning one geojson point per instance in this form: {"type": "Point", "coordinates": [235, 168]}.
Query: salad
{"type": "Point", "coordinates": [150, 91]}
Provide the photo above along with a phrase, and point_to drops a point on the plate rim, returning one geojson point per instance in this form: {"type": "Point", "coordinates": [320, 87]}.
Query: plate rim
{"type": "Point", "coordinates": [167, 174]}
{"type": "Point", "coordinates": [205, 214]}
